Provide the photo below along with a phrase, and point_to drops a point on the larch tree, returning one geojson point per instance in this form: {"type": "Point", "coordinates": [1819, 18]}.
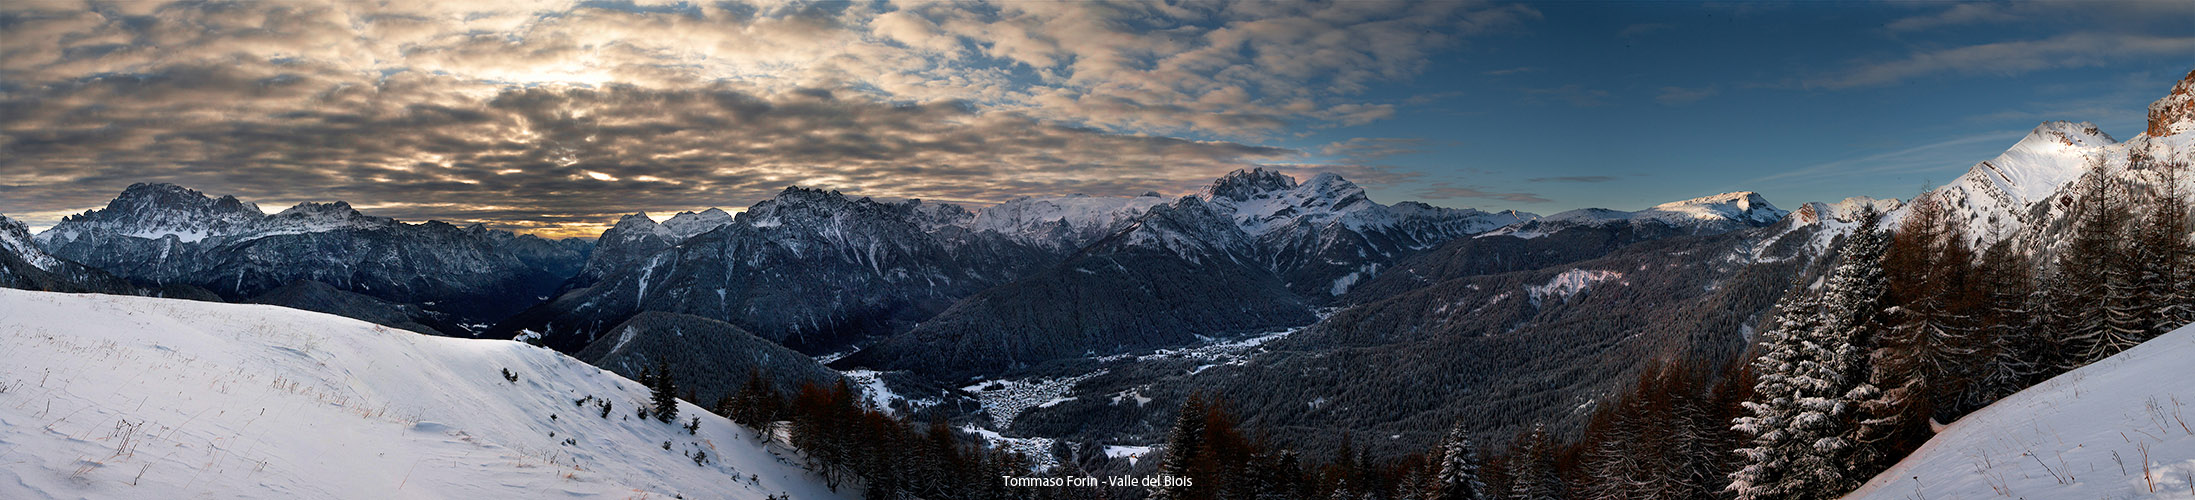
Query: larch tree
{"type": "Point", "coordinates": [2013, 348]}
{"type": "Point", "coordinates": [1532, 474]}
{"type": "Point", "coordinates": [1925, 358]}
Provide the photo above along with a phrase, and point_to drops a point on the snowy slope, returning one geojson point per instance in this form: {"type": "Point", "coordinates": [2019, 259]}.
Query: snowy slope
{"type": "Point", "coordinates": [2079, 435]}
{"type": "Point", "coordinates": [128, 397]}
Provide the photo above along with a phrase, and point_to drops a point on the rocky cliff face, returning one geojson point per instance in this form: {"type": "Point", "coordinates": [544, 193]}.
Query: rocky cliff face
{"type": "Point", "coordinates": [2175, 113]}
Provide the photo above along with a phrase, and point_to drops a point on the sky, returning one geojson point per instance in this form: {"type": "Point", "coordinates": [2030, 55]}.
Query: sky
{"type": "Point", "coordinates": [555, 117]}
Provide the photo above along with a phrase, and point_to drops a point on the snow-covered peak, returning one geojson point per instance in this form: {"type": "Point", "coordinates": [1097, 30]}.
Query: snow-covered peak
{"type": "Point", "coordinates": [1714, 213]}
{"type": "Point", "coordinates": [154, 211]}
{"type": "Point", "coordinates": [1846, 210]}
{"type": "Point", "coordinates": [2051, 155]}
{"type": "Point", "coordinates": [1993, 197]}
{"type": "Point", "coordinates": [311, 217]}
{"type": "Point", "coordinates": [1191, 228]}
{"type": "Point", "coordinates": [1070, 220]}
{"type": "Point", "coordinates": [1743, 206]}
{"type": "Point", "coordinates": [1262, 201]}
{"type": "Point", "coordinates": [2175, 113]}
{"type": "Point", "coordinates": [637, 224]}
{"type": "Point", "coordinates": [15, 239]}
{"type": "Point", "coordinates": [688, 224]}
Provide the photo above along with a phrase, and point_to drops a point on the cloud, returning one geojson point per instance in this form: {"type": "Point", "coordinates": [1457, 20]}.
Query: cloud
{"type": "Point", "coordinates": [1513, 71]}
{"type": "Point", "coordinates": [1446, 191]}
{"type": "Point", "coordinates": [1643, 29]}
{"type": "Point", "coordinates": [419, 146]}
{"type": "Point", "coordinates": [1574, 178]}
{"type": "Point", "coordinates": [2074, 50]}
{"type": "Point", "coordinates": [1573, 94]}
{"type": "Point", "coordinates": [1368, 149]}
{"type": "Point", "coordinates": [1922, 158]}
{"type": "Point", "coordinates": [2137, 16]}
{"type": "Point", "coordinates": [1131, 67]}
{"type": "Point", "coordinates": [1679, 96]}
{"type": "Point", "coordinates": [547, 114]}
{"type": "Point", "coordinates": [1958, 14]}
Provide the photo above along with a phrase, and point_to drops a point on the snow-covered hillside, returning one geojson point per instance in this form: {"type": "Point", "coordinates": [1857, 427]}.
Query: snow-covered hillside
{"type": "Point", "coordinates": [2123, 427]}
{"type": "Point", "coordinates": [127, 397]}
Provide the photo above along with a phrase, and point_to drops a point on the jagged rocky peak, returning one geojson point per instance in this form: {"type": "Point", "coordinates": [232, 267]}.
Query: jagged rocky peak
{"type": "Point", "coordinates": [153, 211]}
{"type": "Point", "coordinates": [808, 204]}
{"type": "Point", "coordinates": [1262, 201]}
{"type": "Point", "coordinates": [2175, 113]}
{"type": "Point", "coordinates": [1245, 185]}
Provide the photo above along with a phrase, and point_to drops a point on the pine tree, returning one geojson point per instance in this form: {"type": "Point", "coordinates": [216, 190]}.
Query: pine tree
{"type": "Point", "coordinates": [1800, 418]}
{"type": "Point", "coordinates": [662, 389]}
{"type": "Point", "coordinates": [1458, 465]}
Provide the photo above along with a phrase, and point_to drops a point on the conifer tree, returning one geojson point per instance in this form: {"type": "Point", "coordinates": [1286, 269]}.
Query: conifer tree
{"type": "Point", "coordinates": [662, 389]}
{"type": "Point", "coordinates": [1182, 447]}
{"type": "Point", "coordinates": [1458, 466]}
{"type": "Point", "coordinates": [1801, 416]}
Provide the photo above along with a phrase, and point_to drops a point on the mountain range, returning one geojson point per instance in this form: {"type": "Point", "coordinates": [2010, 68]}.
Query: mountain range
{"type": "Point", "coordinates": [1309, 305]}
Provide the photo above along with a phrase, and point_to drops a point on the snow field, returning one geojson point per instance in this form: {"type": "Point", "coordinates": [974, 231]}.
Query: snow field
{"type": "Point", "coordinates": [2123, 427]}
{"type": "Point", "coordinates": [132, 397]}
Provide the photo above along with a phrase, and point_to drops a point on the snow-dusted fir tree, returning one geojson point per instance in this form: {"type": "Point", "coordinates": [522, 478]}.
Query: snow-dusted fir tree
{"type": "Point", "coordinates": [1768, 462]}
{"type": "Point", "coordinates": [1458, 477]}
{"type": "Point", "coordinates": [1801, 414]}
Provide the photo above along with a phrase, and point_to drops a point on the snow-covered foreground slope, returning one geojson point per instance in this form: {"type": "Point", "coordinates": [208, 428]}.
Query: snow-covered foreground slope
{"type": "Point", "coordinates": [2085, 434]}
{"type": "Point", "coordinates": [128, 397]}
